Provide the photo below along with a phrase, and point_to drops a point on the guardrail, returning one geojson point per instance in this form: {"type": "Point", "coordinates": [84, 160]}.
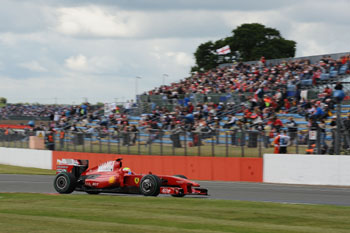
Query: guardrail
{"type": "Point", "coordinates": [220, 143]}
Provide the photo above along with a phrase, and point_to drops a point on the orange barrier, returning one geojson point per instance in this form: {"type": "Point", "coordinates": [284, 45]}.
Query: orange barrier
{"type": "Point", "coordinates": [194, 167]}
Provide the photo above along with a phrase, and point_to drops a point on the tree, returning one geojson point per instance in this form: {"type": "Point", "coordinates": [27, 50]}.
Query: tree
{"type": "Point", "coordinates": [3, 100]}
{"type": "Point", "coordinates": [100, 104]}
{"type": "Point", "coordinates": [250, 42]}
{"type": "Point", "coordinates": [205, 57]}
{"type": "Point", "coordinates": [255, 40]}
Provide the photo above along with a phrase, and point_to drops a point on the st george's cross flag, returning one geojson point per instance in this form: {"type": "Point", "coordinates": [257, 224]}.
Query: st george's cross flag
{"type": "Point", "coordinates": [224, 50]}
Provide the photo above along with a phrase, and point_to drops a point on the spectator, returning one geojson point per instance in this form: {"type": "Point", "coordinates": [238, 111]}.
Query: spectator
{"type": "Point", "coordinates": [318, 112]}
{"type": "Point", "coordinates": [276, 142]}
{"type": "Point", "coordinates": [346, 132]}
{"type": "Point", "coordinates": [134, 134]}
{"type": "Point", "coordinates": [62, 137]}
{"type": "Point", "coordinates": [154, 132]}
{"type": "Point", "coordinates": [175, 134]}
{"type": "Point", "coordinates": [322, 125]}
{"type": "Point", "coordinates": [276, 124]}
{"type": "Point", "coordinates": [292, 130]}
{"type": "Point", "coordinates": [284, 142]}
{"type": "Point", "coordinates": [232, 121]}
{"type": "Point", "coordinates": [127, 107]}
{"type": "Point", "coordinates": [126, 134]}
{"type": "Point", "coordinates": [338, 86]}
{"type": "Point", "coordinates": [50, 139]}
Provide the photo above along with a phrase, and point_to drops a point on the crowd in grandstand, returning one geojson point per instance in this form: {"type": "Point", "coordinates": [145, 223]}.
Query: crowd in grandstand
{"type": "Point", "coordinates": [26, 110]}
{"type": "Point", "coordinates": [268, 83]}
{"type": "Point", "coordinates": [242, 77]}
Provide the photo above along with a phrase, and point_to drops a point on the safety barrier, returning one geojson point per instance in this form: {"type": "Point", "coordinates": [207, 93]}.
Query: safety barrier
{"type": "Point", "coordinates": [307, 169]}
{"type": "Point", "coordinates": [194, 167]}
{"type": "Point", "coordinates": [272, 168]}
{"type": "Point", "coordinates": [26, 157]}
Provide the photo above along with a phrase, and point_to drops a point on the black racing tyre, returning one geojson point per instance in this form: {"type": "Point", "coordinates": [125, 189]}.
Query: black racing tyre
{"type": "Point", "coordinates": [65, 183]}
{"type": "Point", "coordinates": [93, 192]}
{"type": "Point", "coordinates": [150, 185]}
{"type": "Point", "coordinates": [181, 176]}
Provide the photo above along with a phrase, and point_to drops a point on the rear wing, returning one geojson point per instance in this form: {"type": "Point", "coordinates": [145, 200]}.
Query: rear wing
{"type": "Point", "coordinates": [74, 166]}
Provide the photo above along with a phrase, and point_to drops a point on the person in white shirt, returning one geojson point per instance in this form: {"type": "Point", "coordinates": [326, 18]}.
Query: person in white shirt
{"type": "Point", "coordinates": [284, 142]}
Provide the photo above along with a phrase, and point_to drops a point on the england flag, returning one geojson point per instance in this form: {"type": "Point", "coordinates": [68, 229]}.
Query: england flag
{"type": "Point", "coordinates": [224, 50]}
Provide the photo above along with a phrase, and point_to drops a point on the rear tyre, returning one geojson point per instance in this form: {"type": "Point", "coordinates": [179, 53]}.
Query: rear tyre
{"type": "Point", "coordinates": [180, 194]}
{"type": "Point", "coordinates": [150, 185]}
{"type": "Point", "coordinates": [65, 183]}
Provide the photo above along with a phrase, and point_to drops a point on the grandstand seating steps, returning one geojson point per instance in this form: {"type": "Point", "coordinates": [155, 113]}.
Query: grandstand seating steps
{"type": "Point", "coordinates": [302, 125]}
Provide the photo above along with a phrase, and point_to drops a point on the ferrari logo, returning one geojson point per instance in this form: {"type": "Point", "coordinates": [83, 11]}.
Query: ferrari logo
{"type": "Point", "coordinates": [111, 180]}
{"type": "Point", "coordinates": [137, 180]}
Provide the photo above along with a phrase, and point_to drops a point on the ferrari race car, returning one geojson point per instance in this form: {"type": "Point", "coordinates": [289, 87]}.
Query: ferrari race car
{"type": "Point", "coordinates": [111, 177]}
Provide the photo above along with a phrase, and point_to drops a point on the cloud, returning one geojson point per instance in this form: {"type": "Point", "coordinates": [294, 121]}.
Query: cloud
{"type": "Point", "coordinates": [170, 5]}
{"type": "Point", "coordinates": [181, 58]}
{"type": "Point", "coordinates": [13, 39]}
{"type": "Point", "coordinates": [78, 62]}
{"type": "Point", "coordinates": [69, 49]}
{"type": "Point", "coordinates": [33, 66]}
{"type": "Point", "coordinates": [67, 89]}
{"type": "Point", "coordinates": [25, 16]}
{"type": "Point", "coordinates": [96, 65]}
{"type": "Point", "coordinates": [95, 21]}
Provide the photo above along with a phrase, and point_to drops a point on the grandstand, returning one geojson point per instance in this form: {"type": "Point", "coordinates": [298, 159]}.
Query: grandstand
{"type": "Point", "coordinates": [191, 116]}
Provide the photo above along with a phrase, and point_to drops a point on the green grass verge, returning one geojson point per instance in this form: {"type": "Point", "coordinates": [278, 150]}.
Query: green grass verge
{"type": "Point", "coordinates": [83, 213]}
{"type": "Point", "coordinates": [7, 169]}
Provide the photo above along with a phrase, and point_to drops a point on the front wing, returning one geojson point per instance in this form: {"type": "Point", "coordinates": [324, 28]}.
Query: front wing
{"type": "Point", "coordinates": [135, 190]}
{"type": "Point", "coordinates": [178, 190]}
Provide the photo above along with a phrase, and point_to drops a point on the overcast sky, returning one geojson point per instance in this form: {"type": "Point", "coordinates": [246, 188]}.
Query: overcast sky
{"type": "Point", "coordinates": [63, 51]}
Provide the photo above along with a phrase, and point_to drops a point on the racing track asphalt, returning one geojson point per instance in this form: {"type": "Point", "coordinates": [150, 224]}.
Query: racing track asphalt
{"type": "Point", "coordinates": [244, 191]}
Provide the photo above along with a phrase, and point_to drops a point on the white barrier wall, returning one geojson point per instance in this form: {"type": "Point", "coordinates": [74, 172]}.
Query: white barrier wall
{"type": "Point", "coordinates": [26, 157]}
{"type": "Point", "coordinates": [307, 169]}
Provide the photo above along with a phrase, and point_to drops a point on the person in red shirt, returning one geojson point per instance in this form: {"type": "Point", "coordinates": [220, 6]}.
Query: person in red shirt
{"type": "Point", "coordinates": [276, 123]}
{"type": "Point", "coordinates": [286, 105]}
{"type": "Point", "coordinates": [276, 142]}
{"type": "Point", "coordinates": [247, 114]}
{"type": "Point", "coordinates": [262, 60]}
{"type": "Point", "coordinates": [327, 92]}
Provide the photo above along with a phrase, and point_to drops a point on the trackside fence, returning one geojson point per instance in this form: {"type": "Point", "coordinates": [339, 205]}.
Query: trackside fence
{"type": "Point", "coordinates": [223, 143]}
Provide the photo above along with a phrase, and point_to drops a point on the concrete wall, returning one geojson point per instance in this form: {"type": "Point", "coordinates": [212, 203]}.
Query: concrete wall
{"type": "Point", "coordinates": [307, 169]}
{"type": "Point", "coordinates": [26, 157]}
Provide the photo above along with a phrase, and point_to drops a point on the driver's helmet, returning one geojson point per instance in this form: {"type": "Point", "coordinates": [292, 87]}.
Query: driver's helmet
{"type": "Point", "coordinates": [127, 170]}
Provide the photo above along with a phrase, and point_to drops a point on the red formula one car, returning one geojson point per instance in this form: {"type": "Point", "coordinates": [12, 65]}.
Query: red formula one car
{"type": "Point", "coordinates": [111, 177]}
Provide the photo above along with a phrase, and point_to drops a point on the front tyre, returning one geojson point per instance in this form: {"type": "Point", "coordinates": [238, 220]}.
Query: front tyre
{"type": "Point", "coordinates": [150, 185]}
{"type": "Point", "coordinates": [65, 183]}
